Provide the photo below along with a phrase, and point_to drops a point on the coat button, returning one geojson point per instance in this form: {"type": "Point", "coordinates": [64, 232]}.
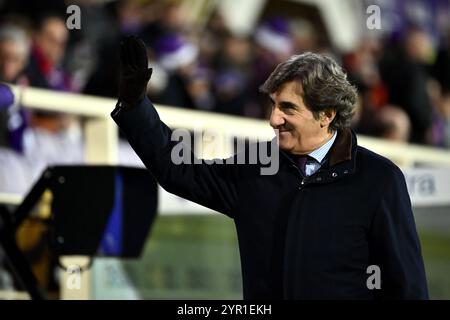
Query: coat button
{"type": "Point", "coordinates": [334, 175]}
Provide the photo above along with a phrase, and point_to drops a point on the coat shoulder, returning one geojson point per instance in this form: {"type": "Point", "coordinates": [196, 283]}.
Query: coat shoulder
{"type": "Point", "coordinates": [377, 165]}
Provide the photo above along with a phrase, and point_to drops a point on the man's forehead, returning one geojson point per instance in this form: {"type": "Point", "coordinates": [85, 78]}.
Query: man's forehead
{"type": "Point", "coordinates": [288, 88]}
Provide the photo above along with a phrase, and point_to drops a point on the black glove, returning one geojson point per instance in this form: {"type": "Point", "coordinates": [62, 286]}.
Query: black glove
{"type": "Point", "coordinates": [134, 71]}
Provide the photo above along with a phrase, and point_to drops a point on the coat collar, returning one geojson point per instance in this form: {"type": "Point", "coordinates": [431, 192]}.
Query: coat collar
{"type": "Point", "coordinates": [340, 159]}
{"type": "Point", "coordinates": [342, 148]}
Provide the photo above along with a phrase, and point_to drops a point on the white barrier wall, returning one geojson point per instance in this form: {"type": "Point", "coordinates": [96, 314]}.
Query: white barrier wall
{"type": "Point", "coordinates": [428, 187]}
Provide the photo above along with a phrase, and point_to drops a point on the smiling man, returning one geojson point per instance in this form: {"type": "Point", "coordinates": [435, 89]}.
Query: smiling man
{"type": "Point", "coordinates": [300, 130]}
{"type": "Point", "coordinates": [333, 211]}
{"type": "Point", "coordinates": [306, 133]}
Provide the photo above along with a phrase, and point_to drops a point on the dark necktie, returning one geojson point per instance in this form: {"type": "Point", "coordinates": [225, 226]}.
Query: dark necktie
{"type": "Point", "coordinates": [301, 163]}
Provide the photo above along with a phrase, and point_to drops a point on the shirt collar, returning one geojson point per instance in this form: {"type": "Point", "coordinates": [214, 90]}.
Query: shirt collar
{"type": "Point", "coordinates": [320, 153]}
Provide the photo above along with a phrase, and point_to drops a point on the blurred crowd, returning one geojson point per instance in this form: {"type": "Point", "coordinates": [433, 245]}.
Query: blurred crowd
{"type": "Point", "coordinates": [403, 81]}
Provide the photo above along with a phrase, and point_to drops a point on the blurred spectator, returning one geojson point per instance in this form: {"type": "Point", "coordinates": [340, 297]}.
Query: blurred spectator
{"type": "Point", "coordinates": [441, 72]}
{"type": "Point", "coordinates": [274, 44]}
{"type": "Point", "coordinates": [125, 17]}
{"type": "Point", "coordinates": [304, 36]}
{"type": "Point", "coordinates": [363, 72]}
{"type": "Point", "coordinates": [233, 76]}
{"type": "Point", "coordinates": [404, 72]}
{"type": "Point", "coordinates": [14, 54]}
{"type": "Point", "coordinates": [274, 36]}
{"type": "Point", "coordinates": [441, 67]}
{"type": "Point", "coordinates": [49, 44]}
{"type": "Point", "coordinates": [97, 27]}
{"type": "Point", "coordinates": [53, 137]}
{"type": "Point", "coordinates": [371, 117]}
{"type": "Point", "coordinates": [392, 123]}
{"type": "Point", "coordinates": [213, 40]}
{"type": "Point", "coordinates": [178, 57]}
{"type": "Point", "coordinates": [45, 68]}
{"type": "Point", "coordinates": [129, 14]}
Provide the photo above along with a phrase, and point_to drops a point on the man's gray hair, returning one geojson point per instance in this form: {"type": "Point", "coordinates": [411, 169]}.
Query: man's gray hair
{"type": "Point", "coordinates": [16, 34]}
{"type": "Point", "coordinates": [324, 83]}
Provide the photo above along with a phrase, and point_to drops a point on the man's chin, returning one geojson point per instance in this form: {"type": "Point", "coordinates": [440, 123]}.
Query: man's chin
{"type": "Point", "coordinates": [285, 146]}
{"type": "Point", "coordinates": [285, 140]}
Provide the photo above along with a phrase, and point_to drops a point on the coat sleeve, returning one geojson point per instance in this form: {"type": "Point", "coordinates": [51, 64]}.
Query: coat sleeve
{"type": "Point", "coordinates": [210, 185]}
{"type": "Point", "coordinates": [394, 243]}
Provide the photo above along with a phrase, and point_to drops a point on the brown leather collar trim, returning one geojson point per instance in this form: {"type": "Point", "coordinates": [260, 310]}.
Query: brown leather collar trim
{"type": "Point", "coordinates": [342, 147]}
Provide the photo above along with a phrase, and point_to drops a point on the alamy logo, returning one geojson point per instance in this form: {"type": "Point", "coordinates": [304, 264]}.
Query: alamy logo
{"type": "Point", "coordinates": [264, 153]}
{"type": "Point", "coordinates": [374, 20]}
{"type": "Point", "coordinates": [73, 281]}
{"type": "Point", "coordinates": [74, 20]}
{"type": "Point", "coordinates": [374, 280]}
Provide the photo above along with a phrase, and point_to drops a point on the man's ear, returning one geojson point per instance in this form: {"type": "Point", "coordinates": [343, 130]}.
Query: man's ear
{"type": "Point", "coordinates": [326, 117]}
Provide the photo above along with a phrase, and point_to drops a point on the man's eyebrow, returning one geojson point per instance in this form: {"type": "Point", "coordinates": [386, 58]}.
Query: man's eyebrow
{"type": "Point", "coordinates": [287, 104]}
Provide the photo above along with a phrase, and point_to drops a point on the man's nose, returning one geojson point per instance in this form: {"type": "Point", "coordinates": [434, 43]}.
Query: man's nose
{"type": "Point", "coordinates": [276, 118]}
